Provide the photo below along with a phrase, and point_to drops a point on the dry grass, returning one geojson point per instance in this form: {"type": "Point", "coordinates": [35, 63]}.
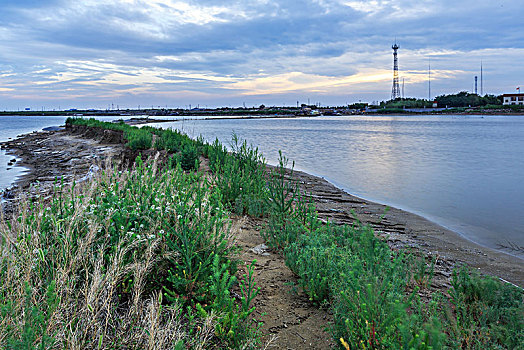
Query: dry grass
{"type": "Point", "coordinates": [63, 289]}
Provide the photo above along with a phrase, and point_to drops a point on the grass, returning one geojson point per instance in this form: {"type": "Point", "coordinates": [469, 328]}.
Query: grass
{"type": "Point", "coordinates": [373, 291]}
{"type": "Point", "coordinates": [123, 261]}
{"type": "Point", "coordinates": [144, 258]}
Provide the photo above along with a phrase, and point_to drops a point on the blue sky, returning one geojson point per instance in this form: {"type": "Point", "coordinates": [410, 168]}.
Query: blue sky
{"type": "Point", "coordinates": [94, 53]}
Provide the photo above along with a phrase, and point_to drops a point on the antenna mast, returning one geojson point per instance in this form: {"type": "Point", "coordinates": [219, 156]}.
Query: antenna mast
{"type": "Point", "coordinates": [481, 80]}
{"type": "Point", "coordinates": [429, 79]}
{"type": "Point", "coordinates": [395, 90]}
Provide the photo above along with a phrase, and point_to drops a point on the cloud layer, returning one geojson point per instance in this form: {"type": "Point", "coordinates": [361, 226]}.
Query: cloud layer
{"type": "Point", "coordinates": [92, 53]}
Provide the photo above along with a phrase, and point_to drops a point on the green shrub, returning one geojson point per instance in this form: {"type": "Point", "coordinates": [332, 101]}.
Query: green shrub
{"type": "Point", "coordinates": [138, 139]}
{"type": "Point", "coordinates": [235, 324]}
{"type": "Point", "coordinates": [169, 140]}
{"type": "Point", "coordinates": [188, 157]}
{"type": "Point", "coordinates": [110, 246]}
{"type": "Point", "coordinates": [33, 332]}
{"type": "Point", "coordinates": [240, 176]}
{"type": "Point", "coordinates": [486, 313]}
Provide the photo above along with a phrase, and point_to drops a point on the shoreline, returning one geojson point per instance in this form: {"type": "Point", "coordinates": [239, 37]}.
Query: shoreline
{"type": "Point", "coordinates": [48, 154]}
{"type": "Point", "coordinates": [434, 220]}
{"type": "Point", "coordinates": [403, 229]}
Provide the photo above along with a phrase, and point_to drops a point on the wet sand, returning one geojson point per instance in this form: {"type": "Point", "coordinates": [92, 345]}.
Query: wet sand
{"type": "Point", "coordinates": [66, 154]}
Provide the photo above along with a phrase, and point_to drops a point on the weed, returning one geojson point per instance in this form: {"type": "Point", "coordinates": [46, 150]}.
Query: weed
{"type": "Point", "coordinates": [152, 230]}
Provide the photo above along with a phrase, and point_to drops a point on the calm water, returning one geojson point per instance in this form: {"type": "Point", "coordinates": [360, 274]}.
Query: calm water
{"type": "Point", "coordinates": [466, 173]}
{"type": "Point", "coordinates": [10, 128]}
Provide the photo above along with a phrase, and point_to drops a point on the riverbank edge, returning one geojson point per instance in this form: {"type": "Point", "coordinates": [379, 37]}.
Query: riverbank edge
{"type": "Point", "coordinates": [401, 229]}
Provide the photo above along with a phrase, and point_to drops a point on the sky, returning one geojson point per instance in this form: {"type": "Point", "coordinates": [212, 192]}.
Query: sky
{"type": "Point", "coordinates": [60, 54]}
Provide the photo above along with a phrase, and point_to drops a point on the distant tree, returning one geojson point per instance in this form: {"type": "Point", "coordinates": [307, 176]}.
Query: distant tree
{"type": "Point", "coordinates": [357, 106]}
{"type": "Point", "coordinates": [492, 99]}
{"type": "Point", "coordinates": [406, 103]}
{"type": "Point", "coordinates": [466, 99]}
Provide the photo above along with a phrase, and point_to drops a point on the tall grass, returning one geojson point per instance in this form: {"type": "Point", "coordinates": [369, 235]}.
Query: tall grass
{"type": "Point", "coordinates": [240, 176]}
{"type": "Point", "coordinates": [372, 290]}
{"type": "Point", "coordinates": [122, 261]}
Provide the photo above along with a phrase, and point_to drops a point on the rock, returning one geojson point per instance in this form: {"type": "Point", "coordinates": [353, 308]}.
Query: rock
{"type": "Point", "coordinates": [9, 194]}
{"type": "Point", "coordinates": [53, 128]}
{"type": "Point", "coordinates": [93, 169]}
{"type": "Point", "coordinates": [260, 249]}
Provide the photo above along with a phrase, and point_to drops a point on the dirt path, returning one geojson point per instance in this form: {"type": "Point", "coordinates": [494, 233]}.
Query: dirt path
{"type": "Point", "coordinates": [287, 313]}
{"type": "Point", "coordinates": [285, 310]}
{"type": "Point", "coordinates": [289, 317]}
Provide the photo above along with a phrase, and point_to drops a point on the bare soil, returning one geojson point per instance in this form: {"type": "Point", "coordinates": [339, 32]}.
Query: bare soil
{"type": "Point", "coordinates": [289, 319]}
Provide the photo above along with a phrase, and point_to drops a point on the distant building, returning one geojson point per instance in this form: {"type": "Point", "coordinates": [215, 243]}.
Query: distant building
{"type": "Point", "coordinates": [435, 104]}
{"type": "Point", "coordinates": [513, 99]}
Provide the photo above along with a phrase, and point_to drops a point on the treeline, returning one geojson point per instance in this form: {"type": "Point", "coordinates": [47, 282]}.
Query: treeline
{"type": "Point", "coordinates": [406, 103]}
{"type": "Point", "coordinates": [461, 99]}
{"type": "Point", "coordinates": [466, 99]}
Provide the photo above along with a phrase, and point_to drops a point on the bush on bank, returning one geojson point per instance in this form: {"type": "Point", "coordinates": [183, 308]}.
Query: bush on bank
{"type": "Point", "coordinates": [143, 258]}
{"type": "Point", "coordinates": [373, 291]}
{"type": "Point", "coordinates": [132, 259]}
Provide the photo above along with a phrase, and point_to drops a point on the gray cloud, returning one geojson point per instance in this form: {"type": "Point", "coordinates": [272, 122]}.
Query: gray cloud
{"type": "Point", "coordinates": [150, 50]}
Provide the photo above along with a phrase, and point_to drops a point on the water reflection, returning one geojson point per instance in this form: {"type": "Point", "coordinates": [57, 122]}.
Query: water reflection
{"type": "Point", "coordinates": [465, 173]}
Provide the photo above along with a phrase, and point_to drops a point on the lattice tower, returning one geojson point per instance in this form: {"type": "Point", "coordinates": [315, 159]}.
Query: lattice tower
{"type": "Point", "coordinates": [395, 91]}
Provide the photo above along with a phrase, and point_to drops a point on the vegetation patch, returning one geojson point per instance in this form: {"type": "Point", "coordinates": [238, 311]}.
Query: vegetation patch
{"type": "Point", "coordinates": [144, 258]}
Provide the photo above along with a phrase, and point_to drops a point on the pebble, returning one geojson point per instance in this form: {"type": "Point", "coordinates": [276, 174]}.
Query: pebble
{"type": "Point", "coordinates": [260, 249]}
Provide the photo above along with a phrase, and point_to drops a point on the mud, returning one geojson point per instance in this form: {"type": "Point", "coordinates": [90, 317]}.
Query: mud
{"type": "Point", "coordinates": [289, 319]}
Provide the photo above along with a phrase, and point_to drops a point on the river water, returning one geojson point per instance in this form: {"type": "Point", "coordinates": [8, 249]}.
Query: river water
{"type": "Point", "coordinates": [10, 128]}
{"type": "Point", "coordinates": [465, 173]}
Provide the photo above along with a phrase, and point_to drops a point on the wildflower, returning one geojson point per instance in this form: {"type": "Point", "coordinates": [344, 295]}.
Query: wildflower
{"type": "Point", "coordinates": [344, 343]}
